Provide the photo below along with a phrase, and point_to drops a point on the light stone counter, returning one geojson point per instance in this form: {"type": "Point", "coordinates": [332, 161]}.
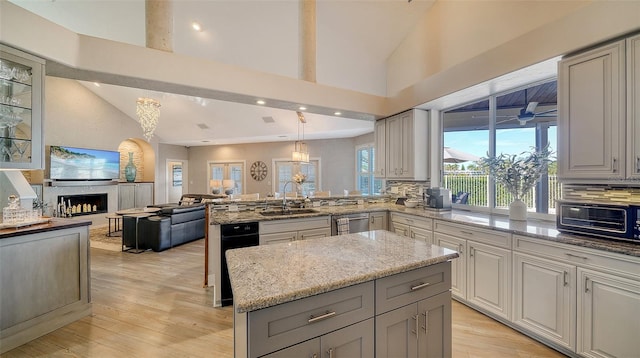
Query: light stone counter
{"type": "Point", "coordinates": [264, 276]}
{"type": "Point", "coordinates": [540, 229]}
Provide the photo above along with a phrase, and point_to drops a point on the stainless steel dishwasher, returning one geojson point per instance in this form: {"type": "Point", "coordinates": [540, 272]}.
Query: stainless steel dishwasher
{"type": "Point", "coordinates": [357, 223]}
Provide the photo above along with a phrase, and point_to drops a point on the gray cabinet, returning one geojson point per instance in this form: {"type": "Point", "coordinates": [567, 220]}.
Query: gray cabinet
{"type": "Point", "coordinates": [412, 226]}
{"type": "Point", "coordinates": [378, 221]}
{"type": "Point", "coordinates": [633, 106]}
{"type": "Point", "coordinates": [21, 103]}
{"type": "Point", "coordinates": [405, 146]}
{"type": "Point", "coordinates": [134, 195]}
{"type": "Point", "coordinates": [278, 231]}
{"type": "Point", "coordinates": [591, 121]}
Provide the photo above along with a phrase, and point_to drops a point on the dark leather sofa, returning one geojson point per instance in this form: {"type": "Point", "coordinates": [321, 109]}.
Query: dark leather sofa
{"type": "Point", "coordinates": [171, 226]}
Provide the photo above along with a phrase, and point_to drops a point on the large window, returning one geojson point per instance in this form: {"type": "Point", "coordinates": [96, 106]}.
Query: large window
{"type": "Point", "coordinates": [285, 170]}
{"type": "Point", "coordinates": [511, 122]}
{"type": "Point", "coordinates": [366, 183]}
{"type": "Point", "coordinates": [230, 174]}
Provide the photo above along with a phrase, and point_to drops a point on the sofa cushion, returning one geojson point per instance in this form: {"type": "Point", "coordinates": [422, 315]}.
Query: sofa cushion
{"type": "Point", "coordinates": [155, 232]}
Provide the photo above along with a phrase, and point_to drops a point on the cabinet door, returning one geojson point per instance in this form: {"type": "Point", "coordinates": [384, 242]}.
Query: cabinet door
{"type": "Point", "coordinates": [591, 123]}
{"type": "Point", "coordinates": [144, 194]}
{"type": "Point", "coordinates": [633, 106]}
{"type": "Point", "coordinates": [378, 221]}
{"type": "Point", "coordinates": [489, 278]}
{"type": "Point", "coordinates": [380, 153]}
{"type": "Point", "coordinates": [397, 333]}
{"type": "Point", "coordinates": [276, 238]}
{"type": "Point", "coordinates": [400, 229]}
{"type": "Point", "coordinates": [458, 266]}
{"type": "Point", "coordinates": [434, 326]}
{"type": "Point", "coordinates": [308, 349]}
{"type": "Point", "coordinates": [544, 298]}
{"type": "Point", "coordinates": [355, 341]}
{"type": "Point", "coordinates": [394, 147]}
{"type": "Point", "coordinates": [608, 315]}
{"type": "Point", "coordinates": [126, 196]}
{"type": "Point", "coordinates": [406, 167]}
{"type": "Point", "coordinates": [313, 233]}
{"type": "Point", "coordinates": [421, 234]}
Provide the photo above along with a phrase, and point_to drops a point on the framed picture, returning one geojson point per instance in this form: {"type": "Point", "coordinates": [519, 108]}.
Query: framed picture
{"type": "Point", "coordinates": [176, 170]}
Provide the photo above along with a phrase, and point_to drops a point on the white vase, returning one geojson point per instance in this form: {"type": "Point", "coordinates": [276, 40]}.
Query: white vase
{"type": "Point", "coordinates": [518, 210]}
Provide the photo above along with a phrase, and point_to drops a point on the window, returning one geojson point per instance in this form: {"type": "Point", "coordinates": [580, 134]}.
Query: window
{"type": "Point", "coordinates": [511, 122]}
{"type": "Point", "coordinates": [230, 173]}
{"type": "Point", "coordinates": [366, 183]}
{"type": "Point", "coordinates": [286, 169]}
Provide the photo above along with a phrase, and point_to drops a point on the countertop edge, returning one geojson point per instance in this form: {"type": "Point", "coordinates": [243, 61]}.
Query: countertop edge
{"type": "Point", "coordinates": [54, 224]}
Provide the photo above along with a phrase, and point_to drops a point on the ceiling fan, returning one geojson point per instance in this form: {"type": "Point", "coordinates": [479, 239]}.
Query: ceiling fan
{"type": "Point", "coordinates": [528, 113]}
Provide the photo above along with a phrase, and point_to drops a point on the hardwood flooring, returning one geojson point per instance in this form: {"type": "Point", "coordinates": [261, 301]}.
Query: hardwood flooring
{"type": "Point", "coordinates": [153, 305]}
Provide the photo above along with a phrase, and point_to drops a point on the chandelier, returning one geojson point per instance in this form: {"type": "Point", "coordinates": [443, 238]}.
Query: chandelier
{"type": "Point", "coordinates": [148, 111]}
{"type": "Point", "coordinates": [300, 152]}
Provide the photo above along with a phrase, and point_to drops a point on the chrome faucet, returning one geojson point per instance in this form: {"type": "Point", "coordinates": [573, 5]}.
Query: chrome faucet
{"type": "Point", "coordinates": [284, 195]}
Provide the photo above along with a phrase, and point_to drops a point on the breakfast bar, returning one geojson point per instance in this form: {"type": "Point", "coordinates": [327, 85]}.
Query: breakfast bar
{"type": "Point", "coordinates": [328, 294]}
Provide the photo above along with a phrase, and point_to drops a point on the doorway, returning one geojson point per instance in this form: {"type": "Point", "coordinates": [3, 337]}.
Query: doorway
{"type": "Point", "coordinates": [176, 180]}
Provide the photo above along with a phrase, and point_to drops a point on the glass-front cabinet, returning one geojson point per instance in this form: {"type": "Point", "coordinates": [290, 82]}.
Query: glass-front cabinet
{"type": "Point", "coordinates": [21, 102]}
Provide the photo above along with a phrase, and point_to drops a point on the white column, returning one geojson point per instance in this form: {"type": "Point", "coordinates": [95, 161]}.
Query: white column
{"type": "Point", "coordinates": [308, 40]}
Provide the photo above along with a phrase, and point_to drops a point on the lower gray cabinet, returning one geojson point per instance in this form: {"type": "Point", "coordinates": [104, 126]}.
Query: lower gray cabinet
{"type": "Point", "coordinates": [355, 341]}
{"type": "Point", "coordinates": [421, 329]}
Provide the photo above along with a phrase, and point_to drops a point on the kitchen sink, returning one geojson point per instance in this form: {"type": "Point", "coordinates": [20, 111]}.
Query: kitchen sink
{"type": "Point", "coordinates": [288, 212]}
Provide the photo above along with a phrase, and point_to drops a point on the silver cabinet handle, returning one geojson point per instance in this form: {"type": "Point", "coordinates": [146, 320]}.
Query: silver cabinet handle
{"type": "Point", "coordinates": [615, 165]}
{"type": "Point", "coordinates": [466, 232]}
{"type": "Point", "coordinates": [576, 256]}
{"type": "Point", "coordinates": [586, 284]}
{"type": "Point", "coordinates": [330, 352]}
{"type": "Point", "coordinates": [566, 282]}
{"type": "Point", "coordinates": [415, 318]}
{"type": "Point", "coordinates": [419, 286]}
{"type": "Point", "coordinates": [460, 248]}
{"type": "Point", "coordinates": [324, 316]}
{"type": "Point", "coordinates": [471, 251]}
{"type": "Point", "coordinates": [426, 321]}
{"type": "Point", "coordinates": [637, 164]}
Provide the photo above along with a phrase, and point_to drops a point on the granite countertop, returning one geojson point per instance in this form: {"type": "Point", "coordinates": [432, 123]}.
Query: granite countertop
{"type": "Point", "coordinates": [540, 229]}
{"type": "Point", "coordinates": [53, 224]}
{"type": "Point", "coordinates": [264, 276]}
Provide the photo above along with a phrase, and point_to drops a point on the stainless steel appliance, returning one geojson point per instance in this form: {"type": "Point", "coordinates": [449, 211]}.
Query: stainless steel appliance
{"type": "Point", "coordinates": [438, 198]}
{"type": "Point", "coordinates": [234, 236]}
{"type": "Point", "coordinates": [357, 223]}
{"type": "Point", "coordinates": [612, 221]}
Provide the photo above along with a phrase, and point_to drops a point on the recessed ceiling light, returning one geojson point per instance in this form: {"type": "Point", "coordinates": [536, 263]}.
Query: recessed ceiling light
{"type": "Point", "coordinates": [196, 26]}
{"type": "Point", "coordinates": [337, 113]}
{"type": "Point", "coordinates": [96, 84]}
{"type": "Point", "coordinates": [302, 108]}
{"type": "Point", "coordinates": [260, 101]}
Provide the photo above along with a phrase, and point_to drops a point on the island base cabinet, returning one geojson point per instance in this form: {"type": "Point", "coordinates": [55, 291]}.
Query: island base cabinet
{"type": "Point", "coordinates": [608, 315]}
{"type": "Point", "coordinates": [422, 329]}
{"type": "Point", "coordinates": [544, 298]}
{"type": "Point", "coordinates": [355, 341]}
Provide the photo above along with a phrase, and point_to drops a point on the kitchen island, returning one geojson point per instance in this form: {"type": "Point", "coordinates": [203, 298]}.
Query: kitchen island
{"type": "Point", "coordinates": [327, 295]}
{"type": "Point", "coordinates": [44, 279]}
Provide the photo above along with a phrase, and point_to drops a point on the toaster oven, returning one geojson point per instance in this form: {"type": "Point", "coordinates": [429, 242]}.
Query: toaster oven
{"type": "Point", "coordinates": [612, 221]}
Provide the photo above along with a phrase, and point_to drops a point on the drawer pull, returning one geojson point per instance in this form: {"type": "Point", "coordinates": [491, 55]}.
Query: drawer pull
{"type": "Point", "coordinates": [419, 286]}
{"type": "Point", "coordinates": [576, 256]}
{"type": "Point", "coordinates": [466, 232]}
{"type": "Point", "coordinates": [330, 352]}
{"type": "Point", "coordinates": [328, 314]}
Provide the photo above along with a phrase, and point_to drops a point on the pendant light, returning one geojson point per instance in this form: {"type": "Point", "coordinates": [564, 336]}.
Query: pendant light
{"type": "Point", "coordinates": [300, 152]}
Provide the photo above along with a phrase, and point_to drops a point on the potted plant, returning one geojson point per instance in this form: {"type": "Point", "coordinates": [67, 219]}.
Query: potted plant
{"type": "Point", "coordinates": [519, 174]}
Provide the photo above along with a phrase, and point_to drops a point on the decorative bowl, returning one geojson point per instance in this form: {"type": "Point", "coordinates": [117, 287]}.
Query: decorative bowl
{"type": "Point", "coordinates": [410, 203]}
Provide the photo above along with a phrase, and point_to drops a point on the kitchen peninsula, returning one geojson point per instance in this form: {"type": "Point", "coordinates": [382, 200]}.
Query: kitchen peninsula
{"type": "Point", "coordinates": [319, 295]}
{"type": "Point", "coordinates": [44, 279]}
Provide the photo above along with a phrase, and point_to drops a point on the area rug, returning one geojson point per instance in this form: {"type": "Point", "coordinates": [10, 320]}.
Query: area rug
{"type": "Point", "coordinates": [98, 238]}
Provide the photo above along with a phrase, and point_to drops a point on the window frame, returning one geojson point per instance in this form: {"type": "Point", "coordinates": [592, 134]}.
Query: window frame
{"type": "Point", "coordinates": [275, 180]}
{"type": "Point", "coordinates": [371, 173]}
{"type": "Point", "coordinates": [226, 174]}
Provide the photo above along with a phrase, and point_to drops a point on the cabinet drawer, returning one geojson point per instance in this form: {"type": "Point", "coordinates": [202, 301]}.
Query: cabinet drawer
{"type": "Point", "coordinates": [284, 325]}
{"type": "Point", "coordinates": [579, 256]}
{"type": "Point", "coordinates": [268, 227]}
{"type": "Point", "coordinates": [424, 223]}
{"type": "Point", "coordinates": [411, 286]}
{"type": "Point", "coordinates": [491, 237]}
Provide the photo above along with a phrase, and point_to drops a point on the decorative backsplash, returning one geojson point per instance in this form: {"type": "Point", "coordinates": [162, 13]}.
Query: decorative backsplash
{"type": "Point", "coordinates": [410, 189]}
{"type": "Point", "coordinates": [602, 193]}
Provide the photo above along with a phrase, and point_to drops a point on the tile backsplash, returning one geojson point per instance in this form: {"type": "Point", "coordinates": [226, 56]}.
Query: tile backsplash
{"type": "Point", "coordinates": [603, 193]}
{"type": "Point", "coordinates": [410, 189]}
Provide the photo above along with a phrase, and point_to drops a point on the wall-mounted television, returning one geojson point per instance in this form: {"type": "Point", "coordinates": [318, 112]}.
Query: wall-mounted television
{"type": "Point", "coordinates": [69, 163]}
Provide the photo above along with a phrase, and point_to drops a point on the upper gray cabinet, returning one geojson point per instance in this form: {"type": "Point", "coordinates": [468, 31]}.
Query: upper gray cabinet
{"type": "Point", "coordinates": [21, 106]}
{"type": "Point", "coordinates": [402, 149]}
{"type": "Point", "coordinates": [599, 122]}
{"type": "Point", "coordinates": [591, 124]}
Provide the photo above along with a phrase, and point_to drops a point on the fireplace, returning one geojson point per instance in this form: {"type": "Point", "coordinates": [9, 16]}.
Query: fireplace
{"type": "Point", "coordinates": [82, 204]}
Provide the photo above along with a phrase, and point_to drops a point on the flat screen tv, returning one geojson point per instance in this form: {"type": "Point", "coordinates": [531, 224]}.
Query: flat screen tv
{"type": "Point", "coordinates": [69, 163]}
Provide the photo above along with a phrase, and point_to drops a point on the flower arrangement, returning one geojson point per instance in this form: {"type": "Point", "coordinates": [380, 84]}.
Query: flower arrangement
{"type": "Point", "coordinates": [518, 174]}
{"type": "Point", "coordinates": [299, 178]}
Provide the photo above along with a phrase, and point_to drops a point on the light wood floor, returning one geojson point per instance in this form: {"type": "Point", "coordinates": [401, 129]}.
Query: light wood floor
{"type": "Point", "coordinates": [153, 305]}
